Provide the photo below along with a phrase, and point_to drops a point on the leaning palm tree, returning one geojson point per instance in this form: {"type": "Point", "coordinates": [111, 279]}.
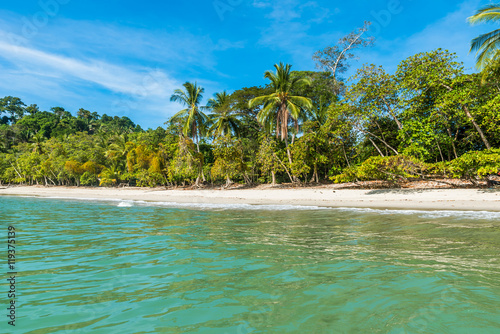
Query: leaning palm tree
{"type": "Point", "coordinates": [223, 120]}
{"type": "Point", "coordinates": [487, 46]}
{"type": "Point", "coordinates": [281, 104]}
{"type": "Point", "coordinates": [194, 118]}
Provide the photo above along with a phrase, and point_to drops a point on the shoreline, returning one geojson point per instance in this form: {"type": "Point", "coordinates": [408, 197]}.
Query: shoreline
{"type": "Point", "coordinates": [400, 199]}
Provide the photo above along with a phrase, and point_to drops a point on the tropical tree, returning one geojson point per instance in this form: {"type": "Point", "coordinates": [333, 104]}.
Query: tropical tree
{"type": "Point", "coordinates": [193, 116]}
{"type": "Point", "coordinates": [486, 45]}
{"type": "Point", "coordinates": [223, 119]}
{"type": "Point", "coordinates": [281, 104]}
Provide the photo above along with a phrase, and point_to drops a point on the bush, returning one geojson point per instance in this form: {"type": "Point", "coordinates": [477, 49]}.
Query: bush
{"type": "Point", "coordinates": [383, 168]}
{"type": "Point", "coordinates": [476, 164]}
{"type": "Point", "coordinates": [88, 179]}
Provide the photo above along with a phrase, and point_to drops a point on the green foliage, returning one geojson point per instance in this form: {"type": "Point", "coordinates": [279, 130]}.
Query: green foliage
{"type": "Point", "coordinates": [476, 164]}
{"type": "Point", "coordinates": [228, 153]}
{"type": "Point", "coordinates": [429, 118]}
{"type": "Point", "coordinates": [194, 119]}
{"type": "Point", "coordinates": [383, 168]}
{"type": "Point", "coordinates": [281, 106]}
{"type": "Point", "coordinates": [89, 179]}
{"type": "Point", "coordinates": [267, 156]}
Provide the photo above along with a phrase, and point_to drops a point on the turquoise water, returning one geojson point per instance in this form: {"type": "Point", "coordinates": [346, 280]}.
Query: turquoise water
{"type": "Point", "coordinates": [134, 267]}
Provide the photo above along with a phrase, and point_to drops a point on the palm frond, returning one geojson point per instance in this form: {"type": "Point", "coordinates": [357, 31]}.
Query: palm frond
{"type": "Point", "coordinates": [485, 39]}
{"type": "Point", "coordinates": [260, 100]}
{"type": "Point", "coordinates": [303, 102]}
{"type": "Point", "coordinates": [486, 14]}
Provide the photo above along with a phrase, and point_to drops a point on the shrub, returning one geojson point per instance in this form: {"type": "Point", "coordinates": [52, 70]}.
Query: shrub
{"type": "Point", "coordinates": [476, 164]}
{"type": "Point", "coordinates": [383, 168]}
{"type": "Point", "coordinates": [88, 179]}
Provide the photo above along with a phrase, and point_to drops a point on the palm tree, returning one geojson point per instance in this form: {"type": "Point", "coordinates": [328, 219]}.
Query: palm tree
{"type": "Point", "coordinates": [281, 104]}
{"type": "Point", "coordinates": [195, 119]}
{"type": "Point", "coordinates": [319, 114]}
{"type": "Point", "coordinates": [223, 120]}
{"type": "Point", "coordinates": [486, 45]}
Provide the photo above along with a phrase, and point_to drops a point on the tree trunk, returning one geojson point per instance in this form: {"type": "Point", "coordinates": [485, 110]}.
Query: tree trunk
{"type": "Point", "coordinates": [345, 156]}
{"type": "Point", "coordinates": [478, 129]}
{"type": "Point", "coordinates": [286, 169]}
{"type": "Point", "coordinates": [273, 175]}
{"type": "Point", "coordinates": [452, 142]}
{"type": "Point", "coordinates": [439, 148]}
{"type": "Point", "coordinates": [375, 145]}
{"type": "Point", "coordinates": [383, 141]}
{"type": "Point", "coordinates": [315, 174]}
{"type": "Point", "coordinates": [293, 178]}
{"type": "Point", "coordinates": [228, 181]}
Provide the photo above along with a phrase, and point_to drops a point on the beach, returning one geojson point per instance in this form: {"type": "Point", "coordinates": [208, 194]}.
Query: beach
{"type": "Point", "coordinates": [325, 196]}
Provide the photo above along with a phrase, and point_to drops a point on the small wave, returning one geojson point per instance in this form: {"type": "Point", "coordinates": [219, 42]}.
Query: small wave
{"type": "Point", "coordinates": [429, 214]}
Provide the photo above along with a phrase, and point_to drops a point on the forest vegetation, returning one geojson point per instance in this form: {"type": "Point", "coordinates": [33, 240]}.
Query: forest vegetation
{"type": "Point", "coordinates": [429, 119]}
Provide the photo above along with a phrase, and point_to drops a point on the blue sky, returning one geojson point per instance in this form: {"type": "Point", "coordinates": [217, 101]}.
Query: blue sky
{"type": "Point", "coordinates": [126, 57]}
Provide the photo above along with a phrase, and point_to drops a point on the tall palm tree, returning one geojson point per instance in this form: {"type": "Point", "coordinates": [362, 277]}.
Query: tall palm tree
{"type": "Point", "coordinates": [195, 119]}
{"type": "Point", "coordinates": [487, 46]}
{"type": "Point", "coordinates": [281, 104]}
{"type": "Point", "coordinates": [223, 120]}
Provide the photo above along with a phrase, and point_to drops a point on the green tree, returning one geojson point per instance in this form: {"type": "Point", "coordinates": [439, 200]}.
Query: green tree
{"type": "Point", "coordinates": [281, 106]}
{"type": "Point", "coordinates": [228, 153]}
{"type": "Point", "coordinates": [268, 159]}
{"type": "Point", "coordinates": [223, 119]}
{"type": "Point", "coordinates": [438, 73]}
{"type": "Point", "coordinates": [13, 106]}
{"type": "Point", "coordinates": [193, 116]}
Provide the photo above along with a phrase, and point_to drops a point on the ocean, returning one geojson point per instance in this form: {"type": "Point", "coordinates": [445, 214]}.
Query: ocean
{"type": "Point", "coordinates": [110, 266]}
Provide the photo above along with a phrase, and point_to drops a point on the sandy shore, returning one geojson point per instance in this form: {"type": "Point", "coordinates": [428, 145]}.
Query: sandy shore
{"type": "Point", "coordinates": [411, 199]}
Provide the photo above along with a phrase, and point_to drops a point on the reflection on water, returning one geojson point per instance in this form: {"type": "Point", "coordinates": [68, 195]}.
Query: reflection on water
{"type": "Point", "coordinates": [137, 268]}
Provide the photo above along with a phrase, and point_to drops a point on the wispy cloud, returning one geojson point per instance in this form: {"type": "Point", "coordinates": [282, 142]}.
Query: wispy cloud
{"type": "Point", "coordinates": [117, 69]}
{"type": "Point", "coordinates": [109, 76]}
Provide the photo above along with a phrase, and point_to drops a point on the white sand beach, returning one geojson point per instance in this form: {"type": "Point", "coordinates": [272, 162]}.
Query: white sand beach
{"type": "Point", "coordinates": [410, 199]}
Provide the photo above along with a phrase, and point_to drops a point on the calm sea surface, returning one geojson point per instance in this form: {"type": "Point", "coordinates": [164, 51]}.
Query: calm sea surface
{"type": "Point", "coordinates": [133, 267]}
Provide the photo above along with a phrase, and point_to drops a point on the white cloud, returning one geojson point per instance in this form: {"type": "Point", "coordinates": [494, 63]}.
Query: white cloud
{"type": "Point", "coordinates": [111, 69]}
{"type": "Point", "coordinates": [109, 76]}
